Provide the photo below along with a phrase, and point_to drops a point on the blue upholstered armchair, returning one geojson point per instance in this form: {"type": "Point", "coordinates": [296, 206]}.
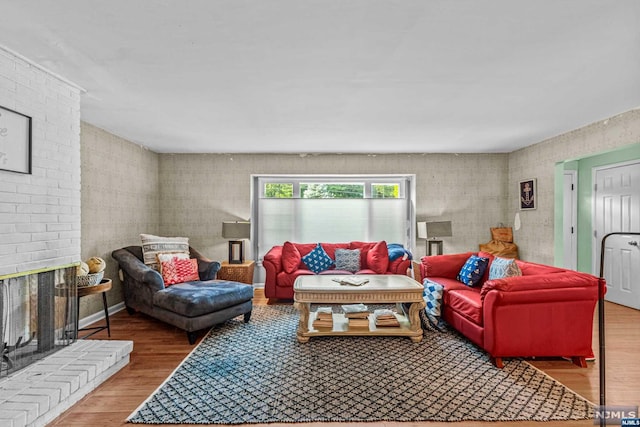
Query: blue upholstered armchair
{"type": "Point", "coordinates": [192, 305]}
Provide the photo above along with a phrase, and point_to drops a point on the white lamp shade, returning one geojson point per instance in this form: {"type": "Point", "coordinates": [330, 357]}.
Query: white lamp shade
{"type": "Point", "coordinates": [422, 230]}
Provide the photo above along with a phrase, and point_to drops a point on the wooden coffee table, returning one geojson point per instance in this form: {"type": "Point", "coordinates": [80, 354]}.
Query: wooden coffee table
{"type": "Point", "coordinates": [381, 289]}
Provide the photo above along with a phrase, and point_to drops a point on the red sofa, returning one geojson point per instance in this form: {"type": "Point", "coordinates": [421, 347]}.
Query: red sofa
{"type": "Point", "coordinates": [545, 312]}
{"type": "Point", "coordinates": [283, 264]}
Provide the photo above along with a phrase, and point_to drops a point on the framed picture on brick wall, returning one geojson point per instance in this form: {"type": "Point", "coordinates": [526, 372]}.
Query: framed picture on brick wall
{"type": "Point", "coordinates": [15, 141]}
{"type": "Point", "coordinates": [527, 194]}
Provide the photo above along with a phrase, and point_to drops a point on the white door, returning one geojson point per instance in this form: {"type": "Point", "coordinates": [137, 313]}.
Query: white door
{"type": "Point", "coordinates": [570, 220]}
{"type": "Point", "coordinates": [617, 209]}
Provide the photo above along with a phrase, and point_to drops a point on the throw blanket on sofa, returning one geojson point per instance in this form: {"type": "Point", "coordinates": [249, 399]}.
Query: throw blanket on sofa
{"type": "Point", "coordinates": [396, 250]}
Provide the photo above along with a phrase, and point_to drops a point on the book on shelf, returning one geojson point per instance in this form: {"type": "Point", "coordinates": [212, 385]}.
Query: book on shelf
{"type": "Point", "coordinates": [355, 311]}
{"type": "Point", "coordinates": [359, 324]}
{"type": "Point", "coordinates": [387, 323]}
{"type": "Point", "coordinates": [385, 318]}
{"type": "Point", "coordinates": [357, 315]}
{"type": "Point", "coordinates": [322, 325]}
{"type": "Point", "coordinates": [324, 313]}
{"type": "Point", "coordinates": [324, 318]}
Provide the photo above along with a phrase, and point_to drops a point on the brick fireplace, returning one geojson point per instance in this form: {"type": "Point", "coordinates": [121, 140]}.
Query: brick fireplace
{"type": "Point", "coordinates": [40, 226]}
{"type": "Point", "coordinates": [44, 369]}
{"type": "Point", "coordinates": [38, 311]}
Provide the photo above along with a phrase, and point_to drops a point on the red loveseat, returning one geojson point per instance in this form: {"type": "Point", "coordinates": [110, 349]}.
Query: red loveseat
{"type": "Point", "coordinates": [283, 264]}
{"type": "Point", "coordinates": [545, 312]}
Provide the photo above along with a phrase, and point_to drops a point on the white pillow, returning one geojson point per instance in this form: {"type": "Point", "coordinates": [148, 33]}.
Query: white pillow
{"type": "Point", "coordinates": [154, 245]}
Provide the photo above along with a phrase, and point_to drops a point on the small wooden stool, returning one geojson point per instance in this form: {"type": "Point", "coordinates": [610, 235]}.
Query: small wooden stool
{"type": "Point", "coordinates": [102, 287]}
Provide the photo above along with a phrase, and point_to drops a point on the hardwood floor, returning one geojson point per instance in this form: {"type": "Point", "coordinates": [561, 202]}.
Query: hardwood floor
{"type": "Point", "coordinates": [159, 348]}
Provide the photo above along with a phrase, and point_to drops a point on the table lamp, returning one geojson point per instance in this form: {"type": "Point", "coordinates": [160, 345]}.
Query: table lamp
{"type": "Point", "coordinates": [432, 231]}
{"type": "Point", "coordinates": [238, 231]}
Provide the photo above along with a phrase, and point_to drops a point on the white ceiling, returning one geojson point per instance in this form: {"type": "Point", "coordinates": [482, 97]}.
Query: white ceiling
{"type": "Point", "coordinates": [339, 76]}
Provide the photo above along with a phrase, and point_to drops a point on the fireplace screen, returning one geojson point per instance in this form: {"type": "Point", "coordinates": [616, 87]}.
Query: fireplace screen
{"type": "Point", "coordinates": [39, 312]}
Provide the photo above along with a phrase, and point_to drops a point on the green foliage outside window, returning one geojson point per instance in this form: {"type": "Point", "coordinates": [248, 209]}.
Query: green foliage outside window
{"type": "Point", "coordinates": [332, 191]}
{"type": "Point", "coordinates": [385, 191]}
{"type": "Point", "coordinates": [278, 191]}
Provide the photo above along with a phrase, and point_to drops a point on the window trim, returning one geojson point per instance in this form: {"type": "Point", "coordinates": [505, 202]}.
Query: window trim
{"type": "Point", "coordinates": [408, 189]}
{"type": "Point", "coordinates": [296, 180]}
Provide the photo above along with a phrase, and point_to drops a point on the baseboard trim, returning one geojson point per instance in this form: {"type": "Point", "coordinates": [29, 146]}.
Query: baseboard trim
{"type": "Point", "coordinates": [95, 317]}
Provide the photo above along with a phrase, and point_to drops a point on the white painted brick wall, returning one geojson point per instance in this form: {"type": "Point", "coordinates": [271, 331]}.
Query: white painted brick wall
{"type": "Point", "coordinates": [40, 213]}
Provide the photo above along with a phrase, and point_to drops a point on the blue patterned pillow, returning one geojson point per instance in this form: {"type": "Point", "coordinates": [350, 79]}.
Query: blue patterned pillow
{"type": "Point", "coordinates": [430, 316]}
{"type": "Point", "coordinates": [473, 270]}
{"type": "Point", "coordinates": [432, 296]}
{"type": "Point", "coordinates": [503, 267]}
{"type": "Point", "coordinates": [317, 260]}
{"type": "Point", "coordinates": [348, 260]}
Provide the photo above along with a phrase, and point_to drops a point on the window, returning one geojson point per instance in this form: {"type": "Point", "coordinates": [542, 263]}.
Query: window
{"type": "Point", "coordinates": [275, 190]}
{"type": "Point", "coordinates": [325, 188]}
{"type": "Point", "coordinates": [385, 191]}
{"type": "Point", "coordinates": [331, 191]}
{"type": "Point", "coordinates": [316, 208]}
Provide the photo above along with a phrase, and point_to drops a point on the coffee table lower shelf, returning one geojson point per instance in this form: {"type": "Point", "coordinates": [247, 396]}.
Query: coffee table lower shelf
{"type": "Point", "coordinates": [341, 328]}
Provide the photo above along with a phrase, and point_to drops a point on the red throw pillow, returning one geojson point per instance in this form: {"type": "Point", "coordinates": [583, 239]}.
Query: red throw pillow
{"type": "Point", "coordinates": [378, 258]}
{"type": "Point", "coordinates": [364, 250]}
{"type": "Point", "coordinates": [179, 271]}
{"type": "Point", "coordinates": [290, 257]}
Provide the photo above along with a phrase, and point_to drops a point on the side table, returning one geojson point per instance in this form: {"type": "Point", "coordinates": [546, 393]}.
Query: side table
{"type": "Point", "coordinates": [242, 273]}
{"type": "Point", "coordinates": [102, 287]}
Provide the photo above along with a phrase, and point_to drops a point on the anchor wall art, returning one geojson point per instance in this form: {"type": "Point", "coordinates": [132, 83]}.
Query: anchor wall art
{"type": "Point", "coordinates": [527, 194]}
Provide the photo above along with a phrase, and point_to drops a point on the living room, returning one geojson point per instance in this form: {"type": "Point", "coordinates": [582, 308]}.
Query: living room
{"type": "Point", "coordinates": [109, 189]}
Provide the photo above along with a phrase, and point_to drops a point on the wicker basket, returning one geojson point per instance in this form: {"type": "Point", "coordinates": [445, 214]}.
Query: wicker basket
{"type": "Point", "coordinates": [90, 279]}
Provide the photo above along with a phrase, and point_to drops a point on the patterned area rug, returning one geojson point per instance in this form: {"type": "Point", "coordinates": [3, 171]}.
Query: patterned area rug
{"type": "Point", "coordinates": [259, 373]}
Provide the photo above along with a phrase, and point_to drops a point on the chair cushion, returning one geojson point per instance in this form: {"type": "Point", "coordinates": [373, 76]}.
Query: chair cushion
{"type": "Point", "coordinates": [466, 302]}
{"type": "Point", "coordinates": [285, 280]}
{"type": "Point", "coordinates": [193, 299]}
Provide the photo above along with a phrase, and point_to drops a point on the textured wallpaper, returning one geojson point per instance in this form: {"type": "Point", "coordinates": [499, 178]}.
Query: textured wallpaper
{"type": "Point", "coordinates": [128, 190]}
{"type": "Point", "coordinates": [535, 238]}
{"type": "Point", "coordinates": [200, 191]}
{"type": "Point", "coordinates": [120, 200]}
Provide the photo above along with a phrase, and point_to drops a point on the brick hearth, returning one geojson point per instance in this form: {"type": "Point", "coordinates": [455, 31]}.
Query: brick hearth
{"type": "Point", "coordinates": [42, 391]}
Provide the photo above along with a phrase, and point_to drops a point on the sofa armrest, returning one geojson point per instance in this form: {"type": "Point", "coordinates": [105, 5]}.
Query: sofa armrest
{"type": "Point", "coordinates": [555, 322]}
{"type": "Point", "coordinates": [564, 279]}
{"type": "Point", "coordinates": [207, 269]}
{"type": "Point", "coordinates": [399, 267]}
{"type": "Point", "coordinates": [138, 270]}
{"type": "Point", "coordinates": [274, 258]}
{"type": "Point", "coordinates": [272, 264]}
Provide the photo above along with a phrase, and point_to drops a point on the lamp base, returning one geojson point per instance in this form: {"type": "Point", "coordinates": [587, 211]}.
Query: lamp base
{"type": "Point", "coordinates": [437, 244]}
{"type": "Point", "coordinates": [236, 251]}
